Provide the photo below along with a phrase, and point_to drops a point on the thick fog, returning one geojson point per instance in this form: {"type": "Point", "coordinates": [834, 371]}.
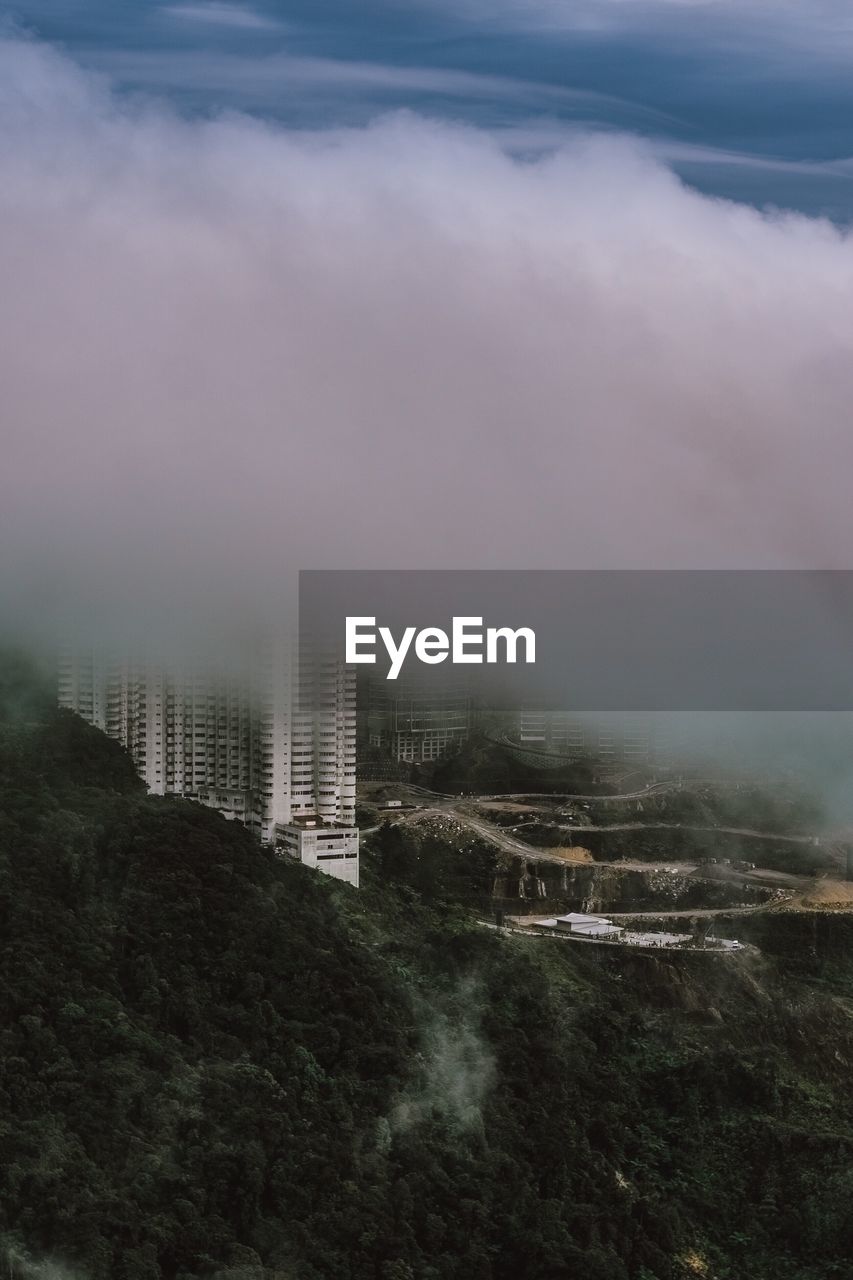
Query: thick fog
{"type": "Point", "coordinates": [228, 351]}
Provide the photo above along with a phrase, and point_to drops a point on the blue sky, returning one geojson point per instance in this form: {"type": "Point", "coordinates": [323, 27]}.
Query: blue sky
{"type": "Point", "coordinates": [752, 100]}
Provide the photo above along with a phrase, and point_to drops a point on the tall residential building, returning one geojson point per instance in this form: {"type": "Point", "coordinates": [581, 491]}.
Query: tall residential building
{"type": "Point", "coordinates": [415, 720]}
{"type": "Point", "coordinates": [270, 745]}
{"type": "Point", "coordinates": [640, 738]}
{"type": "Point", "coordinates": [323, 736]}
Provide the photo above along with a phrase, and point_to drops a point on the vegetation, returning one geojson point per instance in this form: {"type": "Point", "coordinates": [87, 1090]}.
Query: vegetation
{"type": "Point", "coordinates": [215, 1064]}
{"type": "Point", "coordinates": [483, 765]}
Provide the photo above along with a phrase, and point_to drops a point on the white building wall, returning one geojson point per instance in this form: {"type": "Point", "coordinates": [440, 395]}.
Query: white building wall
{"type": "Point", "coordinates": [81, 685]}
{"type": "Point", "coordinates": [332, 850]}
{"type": "Point", "coordinates": [272, 745]}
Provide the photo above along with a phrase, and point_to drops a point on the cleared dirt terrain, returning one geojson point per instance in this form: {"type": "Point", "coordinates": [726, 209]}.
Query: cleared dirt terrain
{"type": "Point", "coordinates": [717, 886]}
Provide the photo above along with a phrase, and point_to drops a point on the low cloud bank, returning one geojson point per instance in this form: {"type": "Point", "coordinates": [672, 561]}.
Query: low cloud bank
{"type": "Point", "coordinates": [228, 351]}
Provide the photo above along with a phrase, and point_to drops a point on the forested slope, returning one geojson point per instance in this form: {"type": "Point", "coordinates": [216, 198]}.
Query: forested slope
{"type": "Point", "coordinates": [215, 1064]}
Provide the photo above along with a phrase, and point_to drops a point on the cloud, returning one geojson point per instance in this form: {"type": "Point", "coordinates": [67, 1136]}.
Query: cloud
{"type": "Point", "coordinates": [455, 1069]}
{"type": "Point", "coordinates": [270, 79]}
{"type": "Point", "coordinates": [636, 13]}
{"type": "Point", "coordinates": [540, 135]}
{"type": "Point", "coordinates": [228, 350]}
{"type": "Point", "coordinates": [757, 29]}
{"type": "Point", "coordinates": [23, 1267]}
{"type": "Point", "coordinates": [221, 15]}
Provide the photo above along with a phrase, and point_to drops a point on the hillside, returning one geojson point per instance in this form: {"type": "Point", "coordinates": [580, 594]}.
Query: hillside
{"type": "Point", "coordinates": [218, 1065]}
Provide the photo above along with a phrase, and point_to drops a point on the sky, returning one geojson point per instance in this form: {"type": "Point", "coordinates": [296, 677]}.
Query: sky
{"type": "Point", "coordinates": [746, 98]}
{"type": "Point", "coordinates": [508, 285]}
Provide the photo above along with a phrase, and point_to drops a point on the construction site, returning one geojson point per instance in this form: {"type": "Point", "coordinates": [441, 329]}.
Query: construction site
{"type": "Point", "coordinates": [675, 864]}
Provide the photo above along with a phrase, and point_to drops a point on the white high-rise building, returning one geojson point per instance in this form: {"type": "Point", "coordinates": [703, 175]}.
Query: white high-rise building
{"type": "Point", "coordinates": [323, 739]}
{"type": "Point", "coordinates": [637, 737]}
{"type": "Point", "coordinates": [416, 720]}
{"type": "Point", "coordinates": [270, 746]}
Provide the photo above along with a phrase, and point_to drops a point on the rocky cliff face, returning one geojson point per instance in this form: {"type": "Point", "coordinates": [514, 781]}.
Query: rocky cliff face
{"type": "Point", "coordinates": [586, 887]}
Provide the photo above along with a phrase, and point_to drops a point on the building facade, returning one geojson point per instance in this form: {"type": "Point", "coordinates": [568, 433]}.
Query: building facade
{"type": "Point", "coordinates": [328, 847]}
{"type": "Point", "coordinates": [265, 745]}
{"type": "Point", "coordinates": [414, 721]}
{"type": "Point", "coordinates": [627, 738]}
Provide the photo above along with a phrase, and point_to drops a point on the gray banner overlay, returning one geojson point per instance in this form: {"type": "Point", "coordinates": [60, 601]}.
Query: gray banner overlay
{"type": "Point", "coordinates": [750, 640]}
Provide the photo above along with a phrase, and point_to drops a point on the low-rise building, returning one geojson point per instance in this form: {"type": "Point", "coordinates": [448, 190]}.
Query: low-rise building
{"type": "Point", "coordinates": [328, 847]}
{"type": "Point", "coordinates": [582, 925]}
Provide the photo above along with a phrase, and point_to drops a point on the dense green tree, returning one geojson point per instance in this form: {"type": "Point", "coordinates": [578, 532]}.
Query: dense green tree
{"type": "Point", "coordinates": [215, 1064]}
